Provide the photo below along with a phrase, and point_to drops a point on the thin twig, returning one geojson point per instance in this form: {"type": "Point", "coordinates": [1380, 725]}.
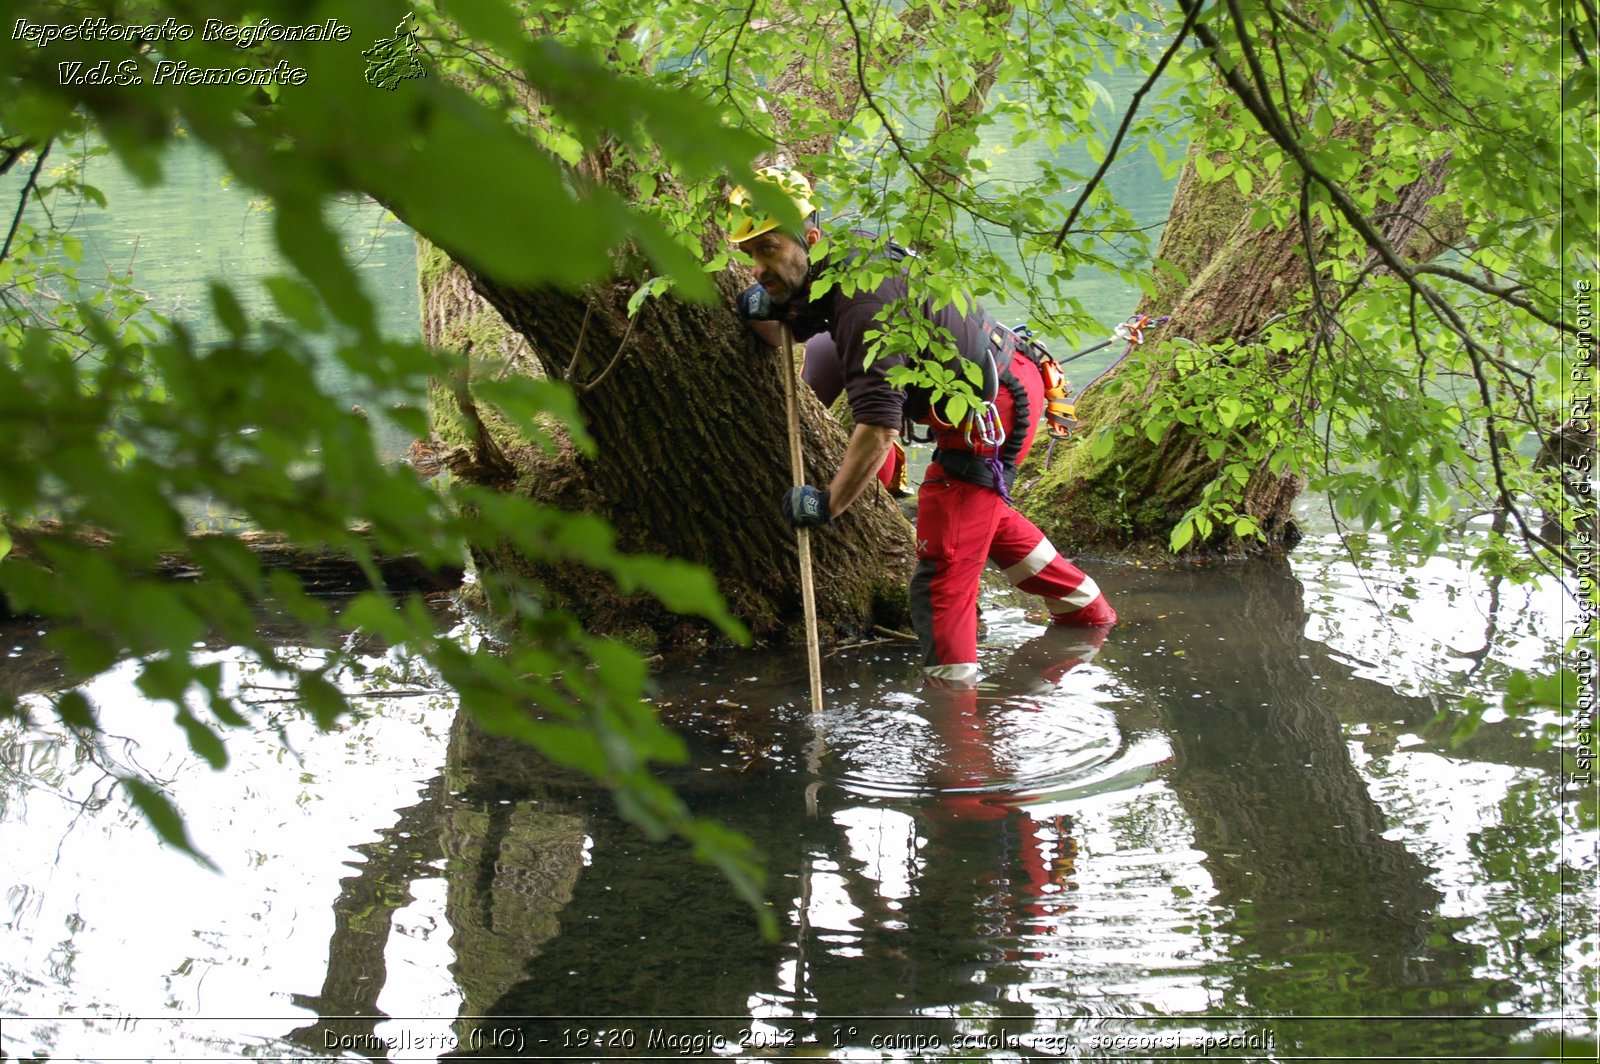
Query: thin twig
{"type": "Point", "coordinates": [857, 646]}
{"type": "Point", "coordinates": [1309, 241]}
{"type": "Point", "coordinates": [22, 199]}
{"type": "Point", "coordinates": [894, 137]}
{"type": "Point", "coordinates": [1506, 294]}
{"type": "Point", "coordinates": [577, 348]}
{"type": "Point", "coordinates": [727, 67]}
{"type": "Point", "coordinates": [1127, 121]}
{"type": "Point", "coordinates": [1283, 67]}
{"type": "Point", "coordinates": [419, 693]}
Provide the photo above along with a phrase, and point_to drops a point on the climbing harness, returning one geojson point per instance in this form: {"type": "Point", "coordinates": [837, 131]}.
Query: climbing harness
{"type": "Point", "coordinates": [983, 449]}
{"type": "Point", "coordinates": [1059, 413]}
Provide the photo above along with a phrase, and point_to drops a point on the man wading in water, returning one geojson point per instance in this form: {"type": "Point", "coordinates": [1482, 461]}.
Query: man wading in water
{"type": "Point", "coordinates": [964, 513]}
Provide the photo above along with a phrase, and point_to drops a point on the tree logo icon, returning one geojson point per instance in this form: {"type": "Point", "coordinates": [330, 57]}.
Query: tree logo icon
{"type": "Point", "coordinates": [394, 59]}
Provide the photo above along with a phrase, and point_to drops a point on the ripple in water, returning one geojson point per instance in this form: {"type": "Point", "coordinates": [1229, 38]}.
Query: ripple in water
{"type": "Point", "coordinates": [1044, 734]}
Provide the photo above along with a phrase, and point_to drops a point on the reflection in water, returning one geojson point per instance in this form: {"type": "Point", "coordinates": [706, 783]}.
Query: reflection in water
{"type": "Point", "coordinates": [117, 947]}
{"type": "Point", "coordinates": [1164, 836]}
{"type": "Point", "coordinates": [363, 918]}
{"type": "Point", "coordinates": [1328, 914]}
{"type": "Point", "coordinates": [1170, 825]}
{"type": "Point", "coordinates": [511, 864]}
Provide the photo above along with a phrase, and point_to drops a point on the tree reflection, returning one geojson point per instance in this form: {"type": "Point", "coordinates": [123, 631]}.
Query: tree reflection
{"type": "Point", "coordinates": [949, 896]}
{"type": "Point", "coordinates": [1330, 916]}
{"type": "Point", "coordinates": [347, 1003]}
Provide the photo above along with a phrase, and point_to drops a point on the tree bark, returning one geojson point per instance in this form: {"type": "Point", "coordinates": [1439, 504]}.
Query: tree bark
{"type": "Point", "coordinates": [1239, 279]}
{"type": "Point", "coordinates": [321, 572]}
{"type": "Point", "coordinates": [685, 406]}
{"type": "Point", "coordinates": [686, 409]}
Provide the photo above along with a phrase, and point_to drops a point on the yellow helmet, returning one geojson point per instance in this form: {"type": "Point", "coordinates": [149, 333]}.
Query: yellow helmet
{"type": "Point", "coordinates": [743, 224]}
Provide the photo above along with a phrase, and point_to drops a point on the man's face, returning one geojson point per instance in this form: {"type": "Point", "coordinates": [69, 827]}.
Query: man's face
{"type": "Point", "coordinates": [781, 264]}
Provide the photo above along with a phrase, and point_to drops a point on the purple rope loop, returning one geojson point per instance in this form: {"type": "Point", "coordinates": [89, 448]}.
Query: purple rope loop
{"type": "Point", "coordinates": [999, 470]}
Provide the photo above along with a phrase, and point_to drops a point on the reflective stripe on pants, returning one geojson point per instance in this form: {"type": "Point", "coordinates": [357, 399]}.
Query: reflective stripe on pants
{"type": "Point", "coordinates": [960, 527]}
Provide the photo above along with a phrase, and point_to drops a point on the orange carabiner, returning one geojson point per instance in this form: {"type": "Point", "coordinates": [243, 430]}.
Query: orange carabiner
{"type": "Point", "coordinates": [1136, 326]}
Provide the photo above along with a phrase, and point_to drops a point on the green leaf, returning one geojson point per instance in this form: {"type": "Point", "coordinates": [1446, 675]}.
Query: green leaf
{"type": "Point", "coordinates": [1228, 410]}
{"type": "Point", "coordinates": [308, 242]}
{"type": "Point", "coordinates": [296, 302]}
{"type": "Point", "coordinates": [75, 710]}
{"type": "Point", "coordinates": [651, 289]}
{"type": "Point", "coordinates": [682, 587]}
{"type": "Point", "coordinates": [85, 651]}
{"type": "Point", "coordinates": [373, 612]}
{"type": "Point", "coordinates": [956, 409]}
{"type": "Point", "coordinates": [202, 740]}
{"type": "Point", "coordinates": [164, 817]}
{"type": "Point", "coordinates": [228, 310]}
{"type": "Point", "coordinates": [166, 679]}
{"type": "Point", "coordinates": [1099, 94]}
{"type": "Point", "coordinates": [325, 701]}
{"type": "Point", "coordinates": [737, 859]}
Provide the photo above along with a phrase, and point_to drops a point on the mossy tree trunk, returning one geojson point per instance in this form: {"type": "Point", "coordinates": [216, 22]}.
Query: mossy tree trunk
{"type": "Point", "coordinates": [1234, 280]}
{"type": "Point", "coordinates": [686, 409]}
{"type": "Point", "coordinates": [685, 406]}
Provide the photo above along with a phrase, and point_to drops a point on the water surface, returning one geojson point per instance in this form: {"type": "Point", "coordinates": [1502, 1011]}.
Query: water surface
{"type": "Point", "coordinates": [1235, 819]}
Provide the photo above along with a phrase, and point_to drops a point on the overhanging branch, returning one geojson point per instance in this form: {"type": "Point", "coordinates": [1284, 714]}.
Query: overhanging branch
{"type": "Point", "coordinates": [1271, 121]}
{"type": "Point", "coordinates": [22, 198]}
{"type": "Point", "coordinates": [1127, 121]}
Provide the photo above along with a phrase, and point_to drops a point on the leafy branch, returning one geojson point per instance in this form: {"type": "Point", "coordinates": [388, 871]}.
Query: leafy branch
{"type": "Point", "coordinates": [1257, 99]}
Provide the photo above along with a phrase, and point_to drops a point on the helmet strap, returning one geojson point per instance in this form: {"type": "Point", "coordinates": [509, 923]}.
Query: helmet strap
{"type": "Point", "coordinates": [811, 222]}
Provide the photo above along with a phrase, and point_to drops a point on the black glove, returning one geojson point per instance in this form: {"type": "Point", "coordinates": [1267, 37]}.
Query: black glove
{"type": "Point", "coordinates": [755, 304]}
{"type": "Point", "coordinates": [805, 506]}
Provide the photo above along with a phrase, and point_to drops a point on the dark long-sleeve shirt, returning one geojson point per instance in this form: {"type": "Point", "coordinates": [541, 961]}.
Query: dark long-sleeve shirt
{"type": "Point", "coordinates": [855, 319]}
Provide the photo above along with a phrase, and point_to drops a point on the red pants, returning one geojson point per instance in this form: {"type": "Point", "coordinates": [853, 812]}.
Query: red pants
{"type": "Point", "coordinates": [961, 526]}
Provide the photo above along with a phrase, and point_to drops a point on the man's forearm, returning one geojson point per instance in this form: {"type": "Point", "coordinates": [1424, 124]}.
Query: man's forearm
{"type": "Point", "coordinates": [869, 444]}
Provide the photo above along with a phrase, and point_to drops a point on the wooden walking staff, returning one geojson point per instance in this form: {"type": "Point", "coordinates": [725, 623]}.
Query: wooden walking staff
{"type": "Point", "coordinates": [802, 535]}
